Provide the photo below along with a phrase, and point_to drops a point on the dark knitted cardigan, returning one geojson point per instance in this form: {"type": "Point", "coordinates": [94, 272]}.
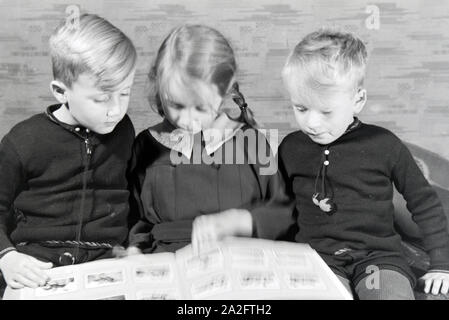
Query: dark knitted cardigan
{"type": "Point", "coordinates": [363, 165]}
{"type": "Point", "coordinates": [53, 174]}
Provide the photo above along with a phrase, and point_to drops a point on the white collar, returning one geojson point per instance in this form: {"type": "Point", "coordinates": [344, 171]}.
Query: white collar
{"type": "Point", "coordinates": [182, 141]}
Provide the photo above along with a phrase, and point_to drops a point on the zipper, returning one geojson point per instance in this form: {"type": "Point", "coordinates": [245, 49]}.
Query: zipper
{"type": "Point", "coordinates": [89, 150]}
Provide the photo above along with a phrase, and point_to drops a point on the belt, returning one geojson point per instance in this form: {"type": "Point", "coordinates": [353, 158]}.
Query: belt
{"type": "Point", "coordinates": [67, 258]}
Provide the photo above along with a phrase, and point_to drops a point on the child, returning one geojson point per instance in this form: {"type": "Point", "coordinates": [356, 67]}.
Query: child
{"type": "Point", "coordinates": [63, 191]}
{"type": "Point", "coordinates": [342, 172]}
{"type": "Point", "coordinates": [184, 167]}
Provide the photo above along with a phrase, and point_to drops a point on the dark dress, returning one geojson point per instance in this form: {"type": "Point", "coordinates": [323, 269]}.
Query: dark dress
{"type": "Point", "coordinates": [166, 197]}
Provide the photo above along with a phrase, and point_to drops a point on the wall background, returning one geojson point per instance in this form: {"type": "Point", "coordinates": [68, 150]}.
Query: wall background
{"type": "Point", "coordinates": [408, 75]}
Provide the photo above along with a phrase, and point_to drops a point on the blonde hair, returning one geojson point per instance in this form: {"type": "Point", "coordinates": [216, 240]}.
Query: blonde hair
{"type": "Point", "coordinates": [94, 46]}
{"type": "Point", "coordinates": [195, 52]}
{"type": "Point", "coordinates": [327, 58]}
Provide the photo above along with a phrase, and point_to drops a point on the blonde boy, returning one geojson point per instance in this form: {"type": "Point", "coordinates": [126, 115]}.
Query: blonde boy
{"type": "Point", "coordinates": [63, 191]}
{"type": "Point", "coordinates": [342, 172]}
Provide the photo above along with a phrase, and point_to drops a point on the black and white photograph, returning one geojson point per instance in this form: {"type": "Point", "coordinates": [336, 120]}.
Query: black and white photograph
{"type": "Point", "coordinates": [56, 286]}
{"type": "Point", "coordinates": [101, 279]}
{"type": "Point", "coordinates": [156, 273]}
{"type": "Point", "coordinates": [158, 294]}
{"type": "Point", "coordinates": [224, 150]}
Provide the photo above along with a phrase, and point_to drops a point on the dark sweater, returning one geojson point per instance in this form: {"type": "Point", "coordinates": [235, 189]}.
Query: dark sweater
{"type": "Point", "coordinates": [166, 197]}
{"type": "Point", "coordinates": [42, 167]}
{"type": "Point", "coordinates": [363, 166]}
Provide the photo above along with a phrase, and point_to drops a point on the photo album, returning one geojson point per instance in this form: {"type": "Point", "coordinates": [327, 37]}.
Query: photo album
{"type": "Point", "coordinates": [236, 268]}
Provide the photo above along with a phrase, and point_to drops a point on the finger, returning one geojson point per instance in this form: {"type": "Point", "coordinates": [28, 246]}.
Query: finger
{"type": "Point", "coordinates": [195, 238]}
{"type": "Point", "coordinates": [203, 243]}
{"type": "Point", "coordinates": [15, 285]}
{"type": "Point", "coordinates": [119, 252]}
{"type": "Point", "coordinates": [194, 246]}
{"type": "Point", "coordinates": [37, 275]}
{"type": "Point", "coordinates": [35, 266]}
{"type": "Point", "coordinates": [210, 238]}
{"type": "Point", "coordinates": [204, 238]}
{"type": "Point", "coordinates": [426, 276]}
{"type": "Point", "coordinates": [445, 287]}
{"type": "Point", "coordinates": [427, 285]}
{"type": "Point", "coordinates": [41, 264]}
{"type": "Point", "coordinates": [199, 240]}
{"type": "Point", "coordinates": [25, 281]}
{"type": "Point", "coordinates": [211, 243]}
{"type": "Point", "coordinates": [133, 251]}
{"type": "Point", "coordinates": [436, 286]}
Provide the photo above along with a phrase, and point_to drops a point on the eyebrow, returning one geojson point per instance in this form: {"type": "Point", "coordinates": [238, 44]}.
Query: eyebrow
{"type": "Point", "coordinates": [119, 89]}
{"type": "Point", "coordinates": [101, 92]}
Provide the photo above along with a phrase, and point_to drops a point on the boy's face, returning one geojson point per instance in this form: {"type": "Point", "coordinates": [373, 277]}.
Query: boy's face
{"type": "Point", "coordinates": [95, 109]}
{"type": "Point", "coordinates": [324, 117]}
{"type": "Point", "coordinates": [192, 107]}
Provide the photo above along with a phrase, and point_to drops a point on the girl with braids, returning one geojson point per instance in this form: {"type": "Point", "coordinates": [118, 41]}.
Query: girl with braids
{"type": "Point", "coordinates": [187, 183]}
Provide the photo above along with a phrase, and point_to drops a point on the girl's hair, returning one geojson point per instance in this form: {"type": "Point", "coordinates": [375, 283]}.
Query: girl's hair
{"type": "Point", "coordinates": [196, 52]}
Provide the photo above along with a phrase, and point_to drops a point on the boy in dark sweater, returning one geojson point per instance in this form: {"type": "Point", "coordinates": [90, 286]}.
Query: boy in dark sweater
{"type": "Point", "coordinates": [63, 190]}
{"type": "Point", "coordinates": [341, 172]}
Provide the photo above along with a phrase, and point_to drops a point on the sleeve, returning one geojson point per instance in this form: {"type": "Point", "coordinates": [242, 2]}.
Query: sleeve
{"type": "Point", "coordinates": [12, 179]}
{"type": "Point", "coordinates": [425, 206]}
{"type": "Point", "coordinates": [138, 221]}
{"type": "Point", "coordinates": [273, 217]}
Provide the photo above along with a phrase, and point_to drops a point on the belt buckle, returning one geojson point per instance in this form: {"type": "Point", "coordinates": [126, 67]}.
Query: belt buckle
{"type": "Point", "coordinates": [66, 259]}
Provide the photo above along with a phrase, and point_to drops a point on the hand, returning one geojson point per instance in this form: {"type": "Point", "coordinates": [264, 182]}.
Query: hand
{"type": "Point", "coordinates": [121, 252]}
{"type": "Point", "coordinates": [131, 251]}
{"type": "Point", "coordinates": [437, 281]}
{"type": "Point", "coordinates": [21, 270]}
{"type": "Point", "coordinates": [210, 228]}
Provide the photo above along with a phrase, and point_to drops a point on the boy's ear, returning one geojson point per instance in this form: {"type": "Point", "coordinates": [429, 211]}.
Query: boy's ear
{"type": "Point", "coordinates": [59, 91]}
{"type": "Point", "coordinates": [360, 100]}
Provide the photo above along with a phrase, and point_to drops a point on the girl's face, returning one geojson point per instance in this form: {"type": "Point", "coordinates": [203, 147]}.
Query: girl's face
{"type": "Point", "coordinates": [191, 106]}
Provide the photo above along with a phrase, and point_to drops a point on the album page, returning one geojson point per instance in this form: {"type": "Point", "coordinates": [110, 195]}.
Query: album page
{"type": "Point", "coordinates": [235, 268]}
{"type": "Point", "coordinates": [247, 268]}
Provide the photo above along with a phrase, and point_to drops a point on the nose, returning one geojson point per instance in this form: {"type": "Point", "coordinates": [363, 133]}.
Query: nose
{"type": "Point", "coordinates": [189, 120]}
{"type": "Point", "coordinates": [313, 121]}
{"type": "Point", "coordinates": [184, 118]}
{"type": "Point", "coordinates": [114, 108]}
